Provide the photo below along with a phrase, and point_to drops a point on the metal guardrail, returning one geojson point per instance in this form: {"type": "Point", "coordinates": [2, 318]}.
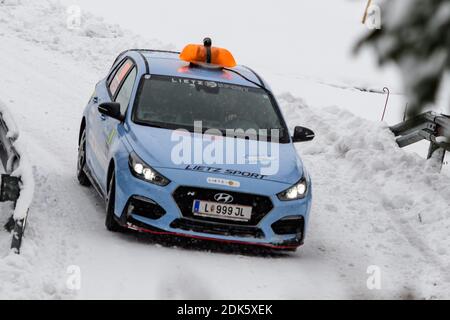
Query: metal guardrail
{"type": "Point", "coordinates": [427, 126]}
{"type": "Point", "coordinates": [10, 185]}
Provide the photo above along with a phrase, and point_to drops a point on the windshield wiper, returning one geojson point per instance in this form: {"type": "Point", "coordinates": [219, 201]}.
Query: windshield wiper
{"type": "Point", "coordinates": [259, 85]}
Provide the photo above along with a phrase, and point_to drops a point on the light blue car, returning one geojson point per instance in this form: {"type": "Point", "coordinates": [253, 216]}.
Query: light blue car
{"type": "Point", "coordinates": [131, 133]}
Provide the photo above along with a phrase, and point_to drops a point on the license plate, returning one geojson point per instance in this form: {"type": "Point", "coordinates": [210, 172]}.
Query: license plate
{"type": "Point", "coordinates": [222, 211]}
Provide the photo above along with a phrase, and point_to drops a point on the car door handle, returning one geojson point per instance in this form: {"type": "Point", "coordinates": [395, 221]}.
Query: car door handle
{"type": "Point", "coordinates": [102, 117]}
{"type": "Point", "coordinates": [95, 99]}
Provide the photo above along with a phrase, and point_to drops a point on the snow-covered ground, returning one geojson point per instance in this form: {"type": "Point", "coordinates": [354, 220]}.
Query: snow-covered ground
{"type": "Point", "coordinates": [374, 204]}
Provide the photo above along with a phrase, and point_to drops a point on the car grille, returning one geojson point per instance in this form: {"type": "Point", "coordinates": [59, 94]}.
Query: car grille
{"type": "Point", "coordinates": [217, 228]}
{"type": "Point", "coordinates": [185, 196]}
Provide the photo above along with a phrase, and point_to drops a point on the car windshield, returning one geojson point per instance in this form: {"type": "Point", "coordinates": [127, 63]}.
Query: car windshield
{"type": "Point", "coordinates": [176, 103]}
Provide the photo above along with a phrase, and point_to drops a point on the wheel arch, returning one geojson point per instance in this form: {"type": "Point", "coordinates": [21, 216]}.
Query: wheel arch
{"type": "Point", "coordinates": [82, 127]}
{"type": "Point", "coordinates": [111, 168]}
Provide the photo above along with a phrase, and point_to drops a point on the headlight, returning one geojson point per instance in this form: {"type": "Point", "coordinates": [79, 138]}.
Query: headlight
{"type": "Point", "coordinates": [297, 191]}
{"type": "Point", "coordinates": [143, 171]}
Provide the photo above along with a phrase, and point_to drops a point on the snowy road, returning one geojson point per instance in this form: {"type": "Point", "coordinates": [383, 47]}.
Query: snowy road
{"type": "Point", "coordinates": [365, 212]}
{"type": "Point", "coordinates": [66, 226]}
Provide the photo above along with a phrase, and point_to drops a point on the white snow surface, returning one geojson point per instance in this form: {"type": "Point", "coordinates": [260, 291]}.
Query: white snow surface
{"type": "Point", "coordinates": [374, 204]}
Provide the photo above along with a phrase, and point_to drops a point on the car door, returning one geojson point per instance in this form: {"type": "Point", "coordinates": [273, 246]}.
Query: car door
{"type": "Point", "coordinates": [94, 121]}
{"type": "Point", "coordinates": [109, 133]}
{"type": "Point", "coordinates": [106, 91]}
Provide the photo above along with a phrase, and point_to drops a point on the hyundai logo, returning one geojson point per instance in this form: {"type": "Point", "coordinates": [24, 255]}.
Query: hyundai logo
{"type": "Point", "coordinates": [223, 197]}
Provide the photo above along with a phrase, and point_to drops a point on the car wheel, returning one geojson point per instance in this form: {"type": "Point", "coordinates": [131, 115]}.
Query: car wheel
{"type": "Point", "coordinates": [110, 222]}
{"type": "Point", "coordinates": [81, 175]}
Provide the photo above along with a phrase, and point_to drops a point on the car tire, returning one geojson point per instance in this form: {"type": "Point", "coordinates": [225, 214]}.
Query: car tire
{"type": "Point", "coordinates": [110, 222]}
{"type": "Point", "coordinates": [81, 175]}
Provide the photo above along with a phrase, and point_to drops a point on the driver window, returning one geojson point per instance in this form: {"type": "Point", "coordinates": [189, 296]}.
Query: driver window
{"type": "Point", "coordinates": [115, 82]}
{"type": "Point", "coordinates": [124, 95]}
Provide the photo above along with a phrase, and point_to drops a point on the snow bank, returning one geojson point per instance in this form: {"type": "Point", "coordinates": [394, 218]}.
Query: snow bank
{"type": "Point", "coordinates": [50, 24]}
{"type": "Point", "coordinates": [18, 272]}
{"type": "Point", "coordinates": [21, 276]}
{"type": "Point", "coordinates": [24, 170]}
{"type": "Point", "coordinates": [368, 171]}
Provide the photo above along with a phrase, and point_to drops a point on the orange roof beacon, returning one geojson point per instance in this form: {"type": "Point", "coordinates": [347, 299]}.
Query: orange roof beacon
{"type": "Point", "coordinates": [206, 53]}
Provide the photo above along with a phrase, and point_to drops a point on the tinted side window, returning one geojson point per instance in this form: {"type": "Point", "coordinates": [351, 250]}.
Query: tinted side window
{"type": "Point", "coordinates": [123, 97]}
{"type": "Point", "coordinates": [119, 76]}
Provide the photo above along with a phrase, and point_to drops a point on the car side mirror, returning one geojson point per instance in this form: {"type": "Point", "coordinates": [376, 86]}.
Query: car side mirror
{"type": "Point", "coordinates": [302, 134]}
{"type": "Point", "coordinates": [111, 109]}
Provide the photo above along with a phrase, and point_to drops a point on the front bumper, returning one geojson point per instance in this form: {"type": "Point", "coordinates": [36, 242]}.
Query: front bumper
{"type": "Point", "coordinates": [175, 221]}
{"type": "Point", "coordinates": [138, 226]}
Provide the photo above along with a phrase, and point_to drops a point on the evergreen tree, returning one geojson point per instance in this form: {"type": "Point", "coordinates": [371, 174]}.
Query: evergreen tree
{"type": "Point", "coordinates": [415, 34]}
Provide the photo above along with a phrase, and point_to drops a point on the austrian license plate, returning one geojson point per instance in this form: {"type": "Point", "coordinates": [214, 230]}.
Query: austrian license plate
{"type": "Point", "coordinates": [222, 211]}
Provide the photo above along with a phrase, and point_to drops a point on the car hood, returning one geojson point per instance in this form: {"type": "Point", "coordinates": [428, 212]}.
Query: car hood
{"type": "Point", "coordinates": [162, 148]}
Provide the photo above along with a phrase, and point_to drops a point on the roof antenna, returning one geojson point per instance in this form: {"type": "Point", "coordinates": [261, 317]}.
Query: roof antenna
{"type": "Point", "coordinates": [207, 42]}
